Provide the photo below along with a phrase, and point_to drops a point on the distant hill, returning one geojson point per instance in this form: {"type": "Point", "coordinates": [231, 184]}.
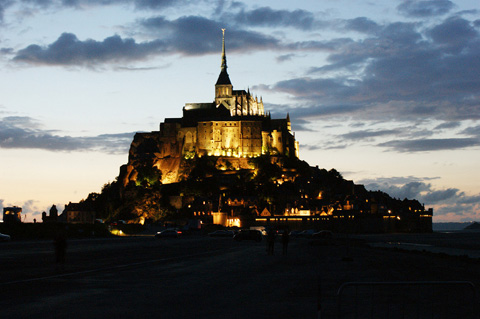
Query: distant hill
{"type": "Point", "coordinates": [450, 226]}
{"type": "Point", "coordinates": [473, 226]}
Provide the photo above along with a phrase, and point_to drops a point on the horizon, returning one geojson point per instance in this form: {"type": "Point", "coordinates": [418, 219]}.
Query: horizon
{"type": "Point", "coordinates": [385, 93]}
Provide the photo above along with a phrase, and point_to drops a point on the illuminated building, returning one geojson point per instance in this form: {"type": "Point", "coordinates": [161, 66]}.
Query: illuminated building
{"type": "Point", "coordinates": [75, 213]}
{"type": "Point", "coordinates": [234, 125]}
{"type": "Point", "coordinates": [235, 185]}
{"type": "Point", "coordinates": [12, 214]}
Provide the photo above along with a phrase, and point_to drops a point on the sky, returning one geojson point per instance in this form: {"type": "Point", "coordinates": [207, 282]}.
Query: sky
{"type": "Point", "coordinates": [385, 92]}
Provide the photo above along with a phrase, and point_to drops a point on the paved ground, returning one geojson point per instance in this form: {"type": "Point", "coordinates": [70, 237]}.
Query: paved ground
{"type": "Point", "coordinates": [201, 277]}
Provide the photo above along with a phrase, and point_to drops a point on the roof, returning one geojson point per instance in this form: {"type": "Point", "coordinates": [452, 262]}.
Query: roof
{"type": "Point", "coordinates": [223, 78]}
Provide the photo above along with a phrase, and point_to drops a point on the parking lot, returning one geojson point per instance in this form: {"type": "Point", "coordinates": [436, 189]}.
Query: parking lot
{"type": "Point", "coordinates": [203, 277]}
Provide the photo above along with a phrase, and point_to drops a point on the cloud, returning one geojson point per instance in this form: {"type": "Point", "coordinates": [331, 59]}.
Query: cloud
{"type": "Point", "coordinates": [396, 180]}
{"type": "Point", "coordinates": [30, 209]}
{"type": "Point", "coordinates": [368, 134]}
{"type": "Point", "coordinates": [139, 4]}
{"type": "Point", "coordinates": [412, 187]}
{"type": "Point", "coordinates": [26, 133]}
{"type": "Point", "coordinates": [410, 190]}
{"type": "Point", "coordinates": [7, 51]}
{"type": "Point", "coordinates": [441, 195]}
{"type": "Point", "coordinates": [311, 89]}
{"type": "Point", "coordinates": [329, 46]}
{"type": "Point", "coordinates": [400, 71]}
{"type": "Point", "coordinates": [403, 71]}
{"type": "Point", "coordinates": [135, 69]}
{"type": "Point", "coordinates": [429, 8]}
{"type": "Point", "coordinates": [448, 204]}
{"type": "Point", "coordinates": [69, 50]}
{"type": "Point", "coordinates": [330, 145]}
{"type": "Point", "coordinates": [4, 5]}
{"type": "Point", "coordinates": [425, 145]}
{"type": "Point", "coordinates": [448, 125]}
{"type": "Point", "coordinates": [268, 17]}
{"type": "Point", "coordinates": [455, 33]}
{"type": "Point", "coordinates": [196, 35]}
{"type": "Point", "coordinates": [362, 24]}
{"type": "Point", "coordinates": [456, 212]}
{"type": "Point", "coordinates": [285, 57]}
{"type": "Point", "coordinates": [472, 131]}
{"type": "Point", "coordinates": [157, 4]}
{"type": "Point", "coordinates": [189, 35]}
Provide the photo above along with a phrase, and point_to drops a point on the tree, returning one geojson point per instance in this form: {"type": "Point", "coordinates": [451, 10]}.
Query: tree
{"type": "Point", "coordinates": [148, 175]}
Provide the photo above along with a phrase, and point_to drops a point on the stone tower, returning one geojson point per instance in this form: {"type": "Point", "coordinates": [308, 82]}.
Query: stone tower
{"type": "Point", "coordinates": [224, 87]}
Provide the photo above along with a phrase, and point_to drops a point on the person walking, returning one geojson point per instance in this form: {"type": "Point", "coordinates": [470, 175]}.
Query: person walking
{"type": "Point", "coordinates": [270, 241]}
{"type": "Point", "coordinates": [285, 239]}
{"type": "Point", "coordinates": [60, 243]}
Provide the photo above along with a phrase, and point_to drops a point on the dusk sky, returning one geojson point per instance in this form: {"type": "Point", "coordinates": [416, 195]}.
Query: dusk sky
{"type": "Point", "coordinates": [386, 92]}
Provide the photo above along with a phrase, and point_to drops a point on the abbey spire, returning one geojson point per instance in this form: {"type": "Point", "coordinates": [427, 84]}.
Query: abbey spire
{"type": "Point", "coordinates": [223, 78]}
{"type": "Point", "coordinates": [223, 87]}
{"type": "Point", "coordinates": [224, 57]}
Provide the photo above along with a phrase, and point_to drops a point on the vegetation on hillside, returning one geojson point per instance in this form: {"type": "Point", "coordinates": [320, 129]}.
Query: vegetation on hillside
{"type": "Point", "coordinates": [275, 183]}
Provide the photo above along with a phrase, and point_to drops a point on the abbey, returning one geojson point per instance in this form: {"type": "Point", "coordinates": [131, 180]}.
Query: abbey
{"type": "Point", "coordinates": [227, 162]}
{"type": "Point", "coordinates": [234, 125]}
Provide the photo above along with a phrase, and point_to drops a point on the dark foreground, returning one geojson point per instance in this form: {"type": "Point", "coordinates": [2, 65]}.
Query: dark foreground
{"type": "Point", "coordinates": [201, 277]}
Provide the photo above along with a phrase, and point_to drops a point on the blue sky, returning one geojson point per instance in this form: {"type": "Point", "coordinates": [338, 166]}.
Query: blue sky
{"type": "Point", "coordinates": [386, 92]}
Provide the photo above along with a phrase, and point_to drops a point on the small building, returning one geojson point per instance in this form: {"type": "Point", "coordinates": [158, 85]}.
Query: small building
{"type": "Point", "coordinates": [52, 217]}
{"type": "Point", "coordinates": [12, 214]}
{"type": "Point", "coordinates": [77, 213]}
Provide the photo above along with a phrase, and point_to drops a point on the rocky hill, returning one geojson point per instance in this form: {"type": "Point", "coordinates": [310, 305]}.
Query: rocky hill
{"type": "Point", "coordinates": [245, 188]}
{"type": "Point", "coordinates": [229, 158]}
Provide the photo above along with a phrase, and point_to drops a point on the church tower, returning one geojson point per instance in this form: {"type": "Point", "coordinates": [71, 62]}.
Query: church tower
{"type": "Point", "coordinates": [223, 87]}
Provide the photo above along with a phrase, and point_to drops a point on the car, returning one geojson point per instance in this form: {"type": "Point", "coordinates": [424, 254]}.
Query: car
{"type": "Point", "coordinates": [280, 232]}
{"type": "Point", "coordinates": [4, 237]}
{"type": "Point", "coordinates": [248, 234]}
{"type": "Point", "coordinates": [295, 233]}
{"type": "Point", "coordinates": [322, 234]}
{"type": "Point", "coordinates": [222, 233]}
{"type": "Point", "coordinates": [306, 233]}
{"type": "Point", "coordinates": [323, 237]}
{"type": "Point", "coordinates": [168, 233]}
{"type": "Point", "coordinates": [262, 229]}
{"type": "Point", "coordinates": [118, 223]}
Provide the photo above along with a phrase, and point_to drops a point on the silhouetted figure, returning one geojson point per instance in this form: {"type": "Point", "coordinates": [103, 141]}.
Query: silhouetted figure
{"type": "Point", "coordinates": [285, 239]}
{"type": "Point", "coordinates": [60, 243]}
{"type": "Point", "coordinates": [270, 241]}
